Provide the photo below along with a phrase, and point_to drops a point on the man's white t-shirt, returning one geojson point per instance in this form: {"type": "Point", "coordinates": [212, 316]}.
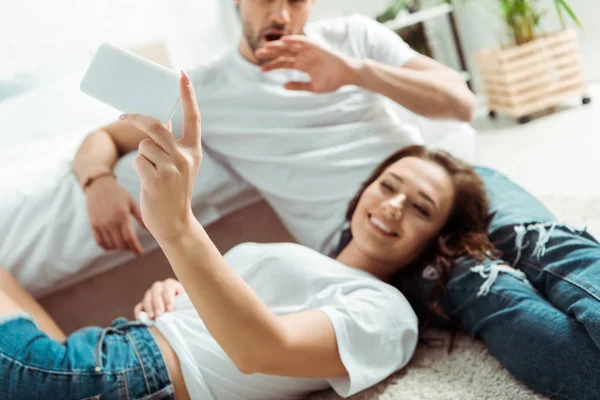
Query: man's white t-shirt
{"type": "Point", "coordinates": [306, 153]}
{"type": "Point", "coordinates": [375, 327]}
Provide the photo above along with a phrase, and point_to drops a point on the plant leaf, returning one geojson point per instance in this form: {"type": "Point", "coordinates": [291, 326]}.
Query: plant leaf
{"type": "Point", "coordinates": [563, 5]}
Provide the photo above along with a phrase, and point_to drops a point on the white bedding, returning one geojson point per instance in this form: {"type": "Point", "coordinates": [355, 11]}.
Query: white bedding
{"type": "Point", "coordinates": [45, 238]}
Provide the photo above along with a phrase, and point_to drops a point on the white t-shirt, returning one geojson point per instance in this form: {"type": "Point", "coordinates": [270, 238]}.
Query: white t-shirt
{"type": "Point", "coordinates": [375, 327]}
{"type": "Point", "coordinates": [306, 153]}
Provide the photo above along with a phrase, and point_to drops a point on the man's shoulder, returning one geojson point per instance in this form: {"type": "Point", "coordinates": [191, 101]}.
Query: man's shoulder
{"type": "Point", "coordinates": [209, 72]}
{"type": "Point", "coordinates": [342, 25]}
{"type": "Point", "coordinates": [346, 33]}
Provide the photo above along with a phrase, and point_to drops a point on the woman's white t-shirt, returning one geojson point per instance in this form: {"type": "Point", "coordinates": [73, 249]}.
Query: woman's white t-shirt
{"type": "Point", "coordinates": [375, 327]}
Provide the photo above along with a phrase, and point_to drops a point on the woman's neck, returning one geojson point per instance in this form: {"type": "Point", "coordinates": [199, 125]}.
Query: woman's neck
{"type": "Point", "coordinates": [352, 256]}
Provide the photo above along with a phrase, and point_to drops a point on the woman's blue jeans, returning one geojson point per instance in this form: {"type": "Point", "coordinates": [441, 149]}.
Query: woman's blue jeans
{"type": "Point", "coordinates": [542, 321]}
{"type": "Point", "coordinates": [119, 362]}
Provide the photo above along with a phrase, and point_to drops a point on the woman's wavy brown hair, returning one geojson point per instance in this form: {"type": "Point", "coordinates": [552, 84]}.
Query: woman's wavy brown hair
{"type": "Point", "coordinates": [465, 231]}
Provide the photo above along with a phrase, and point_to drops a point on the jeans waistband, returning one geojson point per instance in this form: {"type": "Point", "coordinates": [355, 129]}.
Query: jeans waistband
{"type": "Point", "coordinates": [147, 351]}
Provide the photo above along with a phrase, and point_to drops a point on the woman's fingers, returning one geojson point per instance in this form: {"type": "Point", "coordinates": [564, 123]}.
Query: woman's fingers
{"type": "Point", "coordinates": [157, 299]}
{"type": "Point", "coordinates": [156, 130]}
{"type": "Point", "coordinates": [172, 288]}
{"type": "Point", "coordinates": [139, 307]}
{"type": "Point", "coordinates": [147, 302]}
{"type": "Point", "coordinates": [191, 122]}
{"type": "Point", "coordinates": [153, 153]}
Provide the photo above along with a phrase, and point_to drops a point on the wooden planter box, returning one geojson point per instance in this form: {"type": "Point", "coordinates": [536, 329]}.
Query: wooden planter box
{"type": "Point", "coordinates": [522, 80]}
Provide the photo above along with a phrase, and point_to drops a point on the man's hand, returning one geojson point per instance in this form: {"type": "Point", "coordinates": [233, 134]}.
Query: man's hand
{"type": "Point", "coordinates": [159, 299]}
{"type": "Point", "coordinates": [168, 167]}
{"type": "Point", "coordinates": [110, 208]}
{"type": "Point", "coordinates": [328, 70]}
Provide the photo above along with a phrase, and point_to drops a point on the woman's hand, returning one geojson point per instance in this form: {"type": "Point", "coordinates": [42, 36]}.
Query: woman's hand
{"type": "Point", "coordinates": [159, 298]}
{"type": "Point", "coordinates": [168, 167]}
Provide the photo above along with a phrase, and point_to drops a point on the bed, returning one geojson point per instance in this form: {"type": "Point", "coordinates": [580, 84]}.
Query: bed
{"type": "Point", "coordinates": [45, 240]}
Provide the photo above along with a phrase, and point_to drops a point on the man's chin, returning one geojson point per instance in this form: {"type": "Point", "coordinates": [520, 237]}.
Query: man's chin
{"type": "Point", "coordinates": [261, 60]}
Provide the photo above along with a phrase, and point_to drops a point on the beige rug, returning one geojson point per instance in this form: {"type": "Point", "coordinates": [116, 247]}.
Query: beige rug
{"type": "Point", "coordinates": [469, 372]}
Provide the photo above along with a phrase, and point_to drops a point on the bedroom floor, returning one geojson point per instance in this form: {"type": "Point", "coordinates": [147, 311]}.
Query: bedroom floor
{"type": "Point", "coordinates": [554, 155]}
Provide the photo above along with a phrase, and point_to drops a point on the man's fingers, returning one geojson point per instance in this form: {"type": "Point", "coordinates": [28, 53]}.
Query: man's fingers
{"type": "Point", "coordinates": [191, 114]}
{"type": "Point", "coordinates": [281, 62]}
{"type": "Point", "coordinates": [117, 239]}
{"type": "Point", "coordinates": [137, 213]}
{"type": "Point", "coordinates": [274, 53]}
{"type": "Point", "coordinates": [155, 129]}
{"type": "Point", "coordinates": [299, 86]}
{"type": "Point", "coordinates": [295, 39]}
{"type": "Point", "coordinates": [289, 43]}
{"type": "Point", "coordinates": [279, 48]}
{"type": "Point", "coordinates": [131, 238]}
{"type": "Point", "coordinates": [106, 239]}
{"type": "Point", "coordinates": [98, 238]}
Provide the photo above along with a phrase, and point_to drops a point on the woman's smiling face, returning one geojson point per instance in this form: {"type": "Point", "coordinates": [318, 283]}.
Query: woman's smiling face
{"type": "Point", "coordinates": [402, 211]}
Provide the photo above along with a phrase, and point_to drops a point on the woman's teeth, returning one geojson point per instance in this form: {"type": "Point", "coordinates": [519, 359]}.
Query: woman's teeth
{"type": "Point", "coordinates": [381, 225]}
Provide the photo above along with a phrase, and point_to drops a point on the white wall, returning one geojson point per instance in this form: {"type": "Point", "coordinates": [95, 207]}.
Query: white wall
{"type": "Point", "coordinates": [49, 37]}
{"type": "Point", "coordinates": [333, 8]}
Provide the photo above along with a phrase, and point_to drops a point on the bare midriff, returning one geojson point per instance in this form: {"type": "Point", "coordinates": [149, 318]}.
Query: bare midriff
{"type": "Point", "coordinates": [172, 363]}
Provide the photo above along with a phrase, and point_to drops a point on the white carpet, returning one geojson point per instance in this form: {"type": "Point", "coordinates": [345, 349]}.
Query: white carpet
{"type": "Point", "coordinates": [554, 158]}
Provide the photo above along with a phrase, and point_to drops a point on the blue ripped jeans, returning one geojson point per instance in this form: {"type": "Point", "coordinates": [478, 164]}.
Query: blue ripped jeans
{"type": "Point", "coordinates": [542, 321]}
{"type": "Point", "coordinates": [120, 362]}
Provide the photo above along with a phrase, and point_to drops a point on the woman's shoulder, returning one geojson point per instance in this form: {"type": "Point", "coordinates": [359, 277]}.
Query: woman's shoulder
{"type": "Point", "coordinates": [285, 249]}
{"type": "Point", "coordinates": [293, 258]}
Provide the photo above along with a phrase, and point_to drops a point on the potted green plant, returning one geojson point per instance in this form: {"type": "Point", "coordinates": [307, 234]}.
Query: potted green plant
{"type": "Point", "coordinates": [523, 17]}
{"type": "Point", "coordinates": [395, 6]}
{"type": "Point", "coordinates": [534, 71]}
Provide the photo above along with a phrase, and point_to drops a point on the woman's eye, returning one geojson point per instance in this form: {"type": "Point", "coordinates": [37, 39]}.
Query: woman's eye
{"type": "Point", "coordinates": [387, 187]}
{"type": "Point", "coordinates": [423, 211]}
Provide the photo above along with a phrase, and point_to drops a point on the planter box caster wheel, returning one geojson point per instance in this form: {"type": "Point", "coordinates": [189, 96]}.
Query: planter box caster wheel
{"type": "Point", "coordinates": [493, 114]}
{"type": "Point", "coordinates": [524, 120]}
{"type": "Point", "coordinates": [586, 100]}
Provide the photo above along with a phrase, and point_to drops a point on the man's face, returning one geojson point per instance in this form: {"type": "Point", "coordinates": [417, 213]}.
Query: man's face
{"type": "Point", "coordinates": [268, 20]}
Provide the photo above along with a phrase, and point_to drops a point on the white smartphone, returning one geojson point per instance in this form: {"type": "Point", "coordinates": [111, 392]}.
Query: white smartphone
{"type": "Point", "coordinates": [132, 84]}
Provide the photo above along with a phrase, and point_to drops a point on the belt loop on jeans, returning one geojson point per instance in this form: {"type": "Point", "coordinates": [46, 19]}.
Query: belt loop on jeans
{"type": "Point", "coordinates": [100, 345]}
{"type": "Point", "coordinates": [150, 358]}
